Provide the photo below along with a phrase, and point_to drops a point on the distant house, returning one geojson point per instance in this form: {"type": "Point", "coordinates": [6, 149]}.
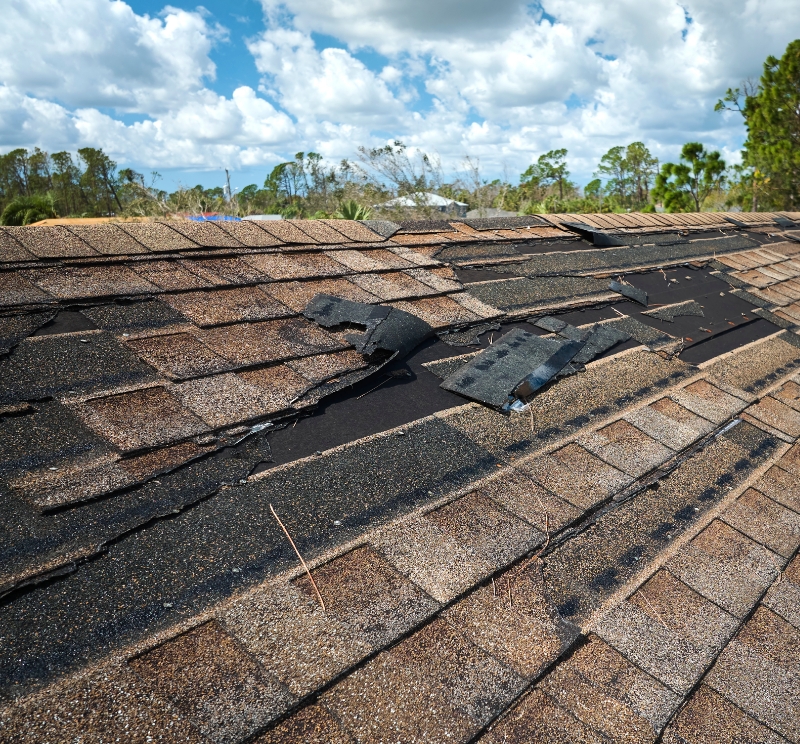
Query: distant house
{"type": "Point", "coordinates": [426, 199]}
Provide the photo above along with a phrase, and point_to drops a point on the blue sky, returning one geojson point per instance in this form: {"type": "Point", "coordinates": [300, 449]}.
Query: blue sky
{"type": "Point", "coordinates": [188, 89]}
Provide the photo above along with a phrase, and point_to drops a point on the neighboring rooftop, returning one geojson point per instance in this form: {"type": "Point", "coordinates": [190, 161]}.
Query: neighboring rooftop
{"type": "Point", "coordinates": [543, 470]}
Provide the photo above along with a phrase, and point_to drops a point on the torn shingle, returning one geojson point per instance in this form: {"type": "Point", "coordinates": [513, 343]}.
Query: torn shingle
{"type": "Point", "coordinates": [387, 328]}
{"type": "Point", "coordinates": [518, 364]}
{"type": "Point", "coordinates": [670, 312]}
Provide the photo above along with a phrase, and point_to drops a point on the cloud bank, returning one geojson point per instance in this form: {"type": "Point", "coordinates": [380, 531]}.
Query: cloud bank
{"type": "Point", "coordinates": [503, 81]}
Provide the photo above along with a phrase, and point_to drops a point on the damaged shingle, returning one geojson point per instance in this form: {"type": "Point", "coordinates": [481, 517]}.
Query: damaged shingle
{"type": "Point", "coordinates": [628, 290]}
{"type": "Point", "coordinates": [516, 365]}
{"type": "Point", "coordinates": [389, 329]}
{"type": "Point", "coordinates": [670, 312]}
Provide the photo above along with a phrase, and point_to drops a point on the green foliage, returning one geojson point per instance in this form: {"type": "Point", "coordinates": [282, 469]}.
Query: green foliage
{"type": "Point", "coordinates": [629, 173]}
{"type": "Point", "coordinates": [352, 210]}
{"type": "Point", "coordinates": [549, 170]}
{"type": "Point", "coordinates": [25, 210]}
{"type": "Point", "coordinates": [684, 186]}
{"type": "Point", "coordinates": [771, 155]}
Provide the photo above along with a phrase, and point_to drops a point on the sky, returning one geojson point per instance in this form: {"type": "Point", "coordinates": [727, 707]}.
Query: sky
{"type": "Point", "coordinates": [189, 90]}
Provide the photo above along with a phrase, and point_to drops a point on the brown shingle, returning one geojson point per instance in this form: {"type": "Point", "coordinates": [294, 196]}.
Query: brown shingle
{"type": "Point", "coordinates": [51, 241]}
{"type": "Point", "coordinates": [284, 231]}
{"type": "Point", "coordinates": [758, 672]}
{"type": "Point", "coordinates": [354, 230]}
{"type": "Point", "coordinates": [438, 312]}
{"type": "Point", "coordinates": [765, 521]}
{"type": "Point", "coordinates": [708, 401]}
{"type": "Point", "coordinates": [219, 306]}
{"type": "Point", "coordinates": [224, 270]}
{"type": "Point", "coordinates": [363, 591]}
{"type": "Point", "coordinates": [392, 286]}
{"type": "Point", "coordinates": [455, 546]}
{"type": "Point", "coordinates": [726, 567]}
{"type": "Point", "coordinates": [14, 290]}
{"type": "Point", "coordinates": [537, 718]}
{"type": "Point", "coordinates": [311, 725]}
{"type": "Point", "coordinates": [435, 280]}
{"type": "Point", "coordinates": [295, 265]}
{"type": "Point", "coordinates": [206, 676]}
{"type": "Point", "coordinates": [433, 686]}
{"type": "Point", "coordinates": [522, 496]}
{"type": "Point", "coordinates": [512, 619]}
{"type": "Point", "coordinates": [626, 448]}
{"type": "Point", "coordinates": [324, 367]}
{"type": "Point", "coordinates": [97, 708]}
{"type": "Point", "coordinates": [374, 260]}
{"type": "Point", "coordinates": [205, 234]}
{"type": "Point", "coordinates": [668, 630]}
{"type": "Point", "coordinates": [708, 718]}
{"type": "Point", "coordinates": [777, 415]}
{"type": "Point", "coordinates": [224, 400]}
{"type": "Point", "coordinates": [11, 249]}
{"type": "Point", "coordinates": [71, 282]}
{"type": "Point", "coordinates": [169, 275]}
{"type": "Point", "coordinates": [178, 355]}
{"type": "Point", "coordinates": [269, 341]}
{"type": "Point", "coordinates": [781, 486]}
{"type": "Point", "coordinates": [248, 233]}
{"type": "Point", "coordinates": [108, 239]}
{"type": "Point", "coordinates": [142, 418]}
{"type": "Point", "coordinates": [321, 232]}
{"type": "Point", "coordinates": [674, 426]}
{"type": "Point", "coordinates": [608, 693]}
{"type": "Point", "coordinates": [297, 295]}
{"type": "Point", "coordinates": [157, 236]}
{"type": "Point", "coordinates": [575, 474]}
{"type": "Point", "coordinates": [278, 384]}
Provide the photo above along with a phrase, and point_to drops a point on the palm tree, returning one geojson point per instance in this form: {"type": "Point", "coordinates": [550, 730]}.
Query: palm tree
{"type": "Point", "coordinates": [352, 210]}
{"type": "Point", "coordinates": [27, 209]}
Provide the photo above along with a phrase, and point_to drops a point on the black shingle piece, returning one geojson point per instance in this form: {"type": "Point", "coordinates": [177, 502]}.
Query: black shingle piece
{"type": "Point", "coordinates": [425, 226]}
{"type": "Point", "coordinates": [49, 366]}
{"type": "Point", "coordinates": [503, 223]}
{"type": "Point", "coordinates": [386, 328]}
{"type": "Point", "coordinates": [495, 373]}
{"type": "Point", "coordinates": [14, 328]}
{"type": "Point", "coordinates": [476, 252]}
{"type": "Point", "coordinates": [384, 228]}
{"type": "Point", "coordinates": [130, 317]}
{"type": "Point", "coordinates": [517, 294]}
{"type": "Point", "coordinates": [50, 435]}
{"type": "Point", "coordinates": [672, 311]}
{"type": "Point", "coordinates": [65, 624]}
{"type": "Point", "coordinates": [581, 262]}
{"type": "Point", "coordinates": [628, 290]}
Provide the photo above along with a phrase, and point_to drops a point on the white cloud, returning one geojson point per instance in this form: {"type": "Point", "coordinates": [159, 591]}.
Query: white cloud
{"type": "Point", "coordinates": [503, 81]}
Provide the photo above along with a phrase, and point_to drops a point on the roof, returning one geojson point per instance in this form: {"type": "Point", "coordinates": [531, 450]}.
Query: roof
{"type": "Point", "coordinates": [569, 513]}
{"type": "Point", "coordinates": [422, 198]}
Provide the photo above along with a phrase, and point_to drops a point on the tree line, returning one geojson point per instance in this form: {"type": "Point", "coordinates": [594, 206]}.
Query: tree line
{"type": "Point", "coordinates": [36, 185]}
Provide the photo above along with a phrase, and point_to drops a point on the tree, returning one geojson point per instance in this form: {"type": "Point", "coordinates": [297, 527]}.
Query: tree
{"type": "Point", "coordinates": [630, 172]}
{"type": "Point", "coordinates": [549, 169]}
{"type": "Point", "coordinates": [684, 186]}
{"type": "Point", "coordinates": [99, 181]}
{"type": "Point", "coordinates": [352, 210]}
{"type": "Point", "coordinates": [771, 111]}
{"type": "Point", "coordinates": [25, 210]}
{"type": "Point", "coordinates": [615, 167]}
